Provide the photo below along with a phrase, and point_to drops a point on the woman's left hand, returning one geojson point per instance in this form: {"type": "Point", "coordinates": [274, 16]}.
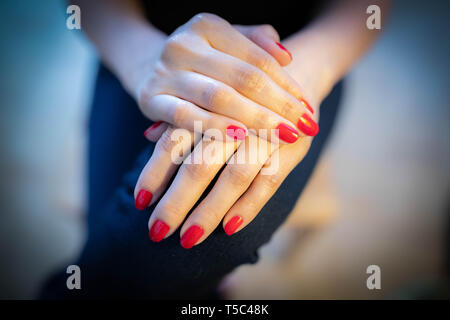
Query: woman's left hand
{"type": "Point", "coordinates": [254, 170]}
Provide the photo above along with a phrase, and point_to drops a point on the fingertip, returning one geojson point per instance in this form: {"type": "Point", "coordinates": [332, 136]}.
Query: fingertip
{"type": "Point", "coordinates": [232, 225]}
{"type": "Point", "coordinates": [152, 127]}
{"type": "Point", "coordinates": [158, 231]}
{"type": "Point", "coordinates": [284, 49]}
{"type": "Point", "coordinates": [154, 132]}
{"type": "Point", "coordinates": [143, 199]}
{"type": "Point", "coordinates": [284, 56]}
{"type": "Point", "coordinates": [286, 133]}
{"type": "Point", "coordinates": [237, 132]}
{"type": "Point", "coordinates": [191, 236]}
{"type": "Point", "coordinates": [307, 105]}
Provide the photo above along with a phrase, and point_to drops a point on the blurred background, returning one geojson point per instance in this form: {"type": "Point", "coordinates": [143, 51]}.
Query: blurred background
{"type": "Point", "coordinates": [380, 195]}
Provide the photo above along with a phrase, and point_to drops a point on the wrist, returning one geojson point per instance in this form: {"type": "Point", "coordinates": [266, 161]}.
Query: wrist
{"type": "Point", "coordinates": [138, 69]}
{"type": "Point", "coordinates": [312, 67]}
{"type": "Point", "coordinates": [131, 58]}
{"type": "Point", "coordinates": [316, 81]}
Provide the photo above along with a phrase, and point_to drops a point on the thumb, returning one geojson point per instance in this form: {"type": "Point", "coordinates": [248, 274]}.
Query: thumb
{"type": "Point", "coordinates": [266, 37]}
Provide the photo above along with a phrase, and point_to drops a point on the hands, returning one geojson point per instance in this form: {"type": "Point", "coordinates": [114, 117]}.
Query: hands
{"type": "Point", "coordinates": [254, 169]}
{"type": "Point", "coordinates": [228, 78]}
{"type": "Point", "coordinates": [217, 74]}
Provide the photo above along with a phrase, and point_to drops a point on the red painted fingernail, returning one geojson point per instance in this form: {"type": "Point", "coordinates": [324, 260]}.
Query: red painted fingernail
{"type": "Point", "coordinates": [233, 224]}
{"type": "Point", "coordinates": [307, 125]}
{"type": "Point", "coordinates": [237, 133]}
{"type": "Point", "coordinates": [152, 127]}
{"type": "Point", "coordinates": [283, 48]}
{"type": "Point", "coordinates": [287, 133]}
{"type": "Point", "coordinates": [191, 236]}
{"type": "Point", "coordinates": [307, 105]}
{"type": "Point", "coordinates": [158, 230]}
{"type": "Point", "coordinates": [143, 199]}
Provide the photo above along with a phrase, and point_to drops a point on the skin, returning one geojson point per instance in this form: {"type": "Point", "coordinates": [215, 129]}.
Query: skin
{"type": "Point", "coordinates": [207, 68]}
{"type": "Point", "coordinates": [156, 69]}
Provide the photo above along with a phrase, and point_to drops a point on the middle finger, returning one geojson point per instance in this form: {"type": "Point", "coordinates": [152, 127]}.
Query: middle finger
{"type": "Point", "coordinates": [193, 177]}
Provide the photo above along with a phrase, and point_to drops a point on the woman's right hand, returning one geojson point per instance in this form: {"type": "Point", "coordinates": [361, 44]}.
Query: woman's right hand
{"type": "Point", "coordinates": [228, 78]}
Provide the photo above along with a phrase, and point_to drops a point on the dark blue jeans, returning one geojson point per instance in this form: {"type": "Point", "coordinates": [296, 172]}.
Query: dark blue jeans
{"type": "Point", "coordinates": [118, 259]}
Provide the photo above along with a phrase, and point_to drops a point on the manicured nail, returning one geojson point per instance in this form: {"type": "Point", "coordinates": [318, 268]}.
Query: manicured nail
{"type": "Point", "coordinates": [307, 105]}
{"type": "Point", "coordinates": [191, 236]}
{"type": "Point", "coordinates": [158, 231]}
{"type": "Point", "coordinates": [152, 127]}
{"type": "Point", "coordinates": [143, 199]}
{"type": "Point", "coordinates": [237, 133]}
{"type": "Point", "coordinates": [307, 125]}
{"type": "Point", "coordinates": [233, 224]}
{"type": "Point", "coordinates": [283, 48]}
{"type": "Point", "coordinates": [287, 133]}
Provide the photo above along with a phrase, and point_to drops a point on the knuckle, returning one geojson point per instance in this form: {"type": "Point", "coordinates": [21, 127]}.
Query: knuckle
{"type": "Point", "coordinates": [211, 215]}
{"type": "Point", "coordinates": [197, 171]}
{"type": "Point", "coordinates": [268, 28]}
{"type": "Point", "coordinates": [252, 206]}
{"type": "Point", "coordinates": [215, 216]}
{"type": "Point", "coordinates": [146, 100]}
{"type": "Point", "coordinates": [172, 209]}
{"type": "Point", "coordinates": [271, 181]}
{"type": "Point", "coordinates": [287, 109]}
{"type": "Point", "coordinates": [214, 95]}
{"type": "Point", "coordinates": [166, 143]}
{"type": "Point", "coordinates": [239, 174]}
{"type": "Point", "coordinates": [262, 61]}
{"type": "Point", "coordinates": [290, 86]}
{"type": "Point", "coordinates": [262, 120]}
{"type": "Point", "coordinates": [148, 177]}
{"type": "Point", "coordinates": [200, 17]}
{"type": "Point", "coordinates": [261, 31]}
{"type": "Point", "coordinates": [204, 18]}
{"type": "Point", "coordinates": [180, 114]}
{"type": "Point", "coordinates": [160, 70]}
{"type": "Point", "coordinates": [265, 63]}
{"type": "Point", "coordinates": [174, 44]}
{"type": "Point", "coordinates": [254, 34]}
{"type": "Point", "coordinates": [249, 79]}
{"type": "Point", "coordinates": [145, 95]}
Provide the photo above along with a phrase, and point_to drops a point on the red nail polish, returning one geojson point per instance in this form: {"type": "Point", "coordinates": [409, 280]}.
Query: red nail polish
{"type": "Point", "coordinates": [191, 236]}
{"type": "Point", "coordinates": [287, 133]}
{"type": "Point", "coordinates": [152, 127]}
{"type": "Point", "coordinates": [237, 133]}
{"type": "Point", "coordinates": [283, 48]}
{"type": "Point", "coordinates": [158, 231]}
{"type": "Point", "coordinates": [143, 199]}
{"type": "Point", "coordinates": [233, 224]}
{"type": "Point", "coordinates": [307, 105]}
{"type": "Point", "coordinates": [307, 125]}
